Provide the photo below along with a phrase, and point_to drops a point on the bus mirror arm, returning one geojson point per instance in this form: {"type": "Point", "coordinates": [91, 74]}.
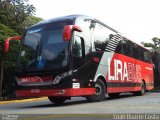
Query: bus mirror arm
{"type": "Point", "coordinates": [7, 41]}
{"type": "Point", "coordinates": [67, 31]}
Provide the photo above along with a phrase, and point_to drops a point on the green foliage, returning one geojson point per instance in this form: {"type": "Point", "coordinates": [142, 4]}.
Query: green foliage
{"type": "Point", "coordinates": [31, 20]}
{"type": "Point", "coordinates": [15, 16]}
{"type": "Point", "coordinates": [14, 13]}
{"type": "Point", "coordinates": [154, 45]}
{"type": "Point", "coordinates": [10, 58]}
{"type": "Point", "coordinates": [6, 32]}
{"type": "Point", "coordinates": [155, 55]}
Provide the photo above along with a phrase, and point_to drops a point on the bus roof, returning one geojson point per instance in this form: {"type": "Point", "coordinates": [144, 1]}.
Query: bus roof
{"type": "Point", "coordinates": [62, 18]}
{"type": "Point", "coordinates": [73, 17]}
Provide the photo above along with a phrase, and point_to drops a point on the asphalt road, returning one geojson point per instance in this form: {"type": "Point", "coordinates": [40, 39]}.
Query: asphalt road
{"type": "Point", "coordinates": [125, 104]}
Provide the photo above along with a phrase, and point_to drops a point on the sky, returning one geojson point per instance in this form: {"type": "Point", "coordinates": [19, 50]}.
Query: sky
{"type": "Point", "coordinates": [138, 20]}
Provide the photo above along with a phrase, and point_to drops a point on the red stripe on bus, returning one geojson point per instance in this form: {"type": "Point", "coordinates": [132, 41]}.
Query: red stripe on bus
{"type": "Point", "coordinates": [122, 89]}
{"type": "Point", "coordinates": [58, 92]}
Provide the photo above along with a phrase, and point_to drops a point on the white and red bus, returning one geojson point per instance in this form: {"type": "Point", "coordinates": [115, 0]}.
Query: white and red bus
{"type": "Point", "coordinates": [80, 56]}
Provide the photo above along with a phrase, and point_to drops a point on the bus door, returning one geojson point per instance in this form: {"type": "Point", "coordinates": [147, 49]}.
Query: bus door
{"type": "Point", "coordinates": [78, 52]}
{"type": "Point", "coordinates": [81, 54]}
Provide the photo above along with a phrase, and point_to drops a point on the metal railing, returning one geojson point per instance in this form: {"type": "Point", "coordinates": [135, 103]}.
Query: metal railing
{"type": "Point", "coordinates": [8, 84]}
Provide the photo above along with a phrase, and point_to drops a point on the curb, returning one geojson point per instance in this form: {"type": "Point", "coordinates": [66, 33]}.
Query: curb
{"type": "Point", "coordinates": [24, 100]}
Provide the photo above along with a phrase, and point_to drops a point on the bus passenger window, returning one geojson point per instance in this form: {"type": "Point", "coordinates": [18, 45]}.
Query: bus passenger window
{"type": "Point", "coordinates": [147, 57]}
{"type": "Point", "coordinates": [141, 54]}
{"type": "Point", "coordinates": [136, 52]}
{"type": "Point", "coordinates": [127, 48]}
{"type": "Point", "coordinates": [119, 48]}
{"type": "Point", "coordinates": [101, 37]}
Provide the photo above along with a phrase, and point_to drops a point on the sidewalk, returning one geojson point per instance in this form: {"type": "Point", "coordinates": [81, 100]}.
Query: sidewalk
{"type": "Point", "coordinates": [23, 100]}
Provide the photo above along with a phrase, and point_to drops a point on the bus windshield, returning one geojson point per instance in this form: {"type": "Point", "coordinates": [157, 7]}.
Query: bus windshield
{"type": "Point", "coordinates": [43, 48]}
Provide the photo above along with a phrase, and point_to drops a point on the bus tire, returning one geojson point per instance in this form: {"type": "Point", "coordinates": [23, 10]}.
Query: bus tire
{"type": "Point", "coordinates": [142, 91]}
{"type": "Point", "coordinates": [100, 92]}
{"type": "Point", "coordinates": [57, 100]}
{"type": "Point", "coordinates": [113, 95]}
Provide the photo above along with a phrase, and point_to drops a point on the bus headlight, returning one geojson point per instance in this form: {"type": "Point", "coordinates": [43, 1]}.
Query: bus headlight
{"type": "Point", "coordinates": [57, 80]}
{"type": "Point", "coordinates": [63, 75]}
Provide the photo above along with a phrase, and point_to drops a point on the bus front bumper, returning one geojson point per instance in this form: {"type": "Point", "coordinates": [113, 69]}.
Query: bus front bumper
{"type": "Point", "coordinates": [55, 92]}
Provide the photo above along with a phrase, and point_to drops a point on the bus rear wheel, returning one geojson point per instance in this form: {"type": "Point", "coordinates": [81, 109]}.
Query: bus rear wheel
{"type": "Point", "coordinates": [142, 91]}
{"type": "Point", "coordinates": [57, 100]}
{"type": "Point", "coordinates": [100, 92]}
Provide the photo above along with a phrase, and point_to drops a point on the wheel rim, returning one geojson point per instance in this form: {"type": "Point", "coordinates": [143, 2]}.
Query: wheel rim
{"type": "Point", "coordinates": [143, 88]}
{"type": "Point", "coordinates": [98, 89]}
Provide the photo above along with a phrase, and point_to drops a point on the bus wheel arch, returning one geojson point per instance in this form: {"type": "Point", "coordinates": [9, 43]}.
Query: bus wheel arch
{"type": "Point", "coordinates": [57, 100]}
{"type": "Point", "coordinates": [143, 86]}
{"type": "Point", "coordinates": [100, 87]}
{"type": "Point", "coordinates": [103, 79]}
{"type": "Point", "coordinates": [143, 89]}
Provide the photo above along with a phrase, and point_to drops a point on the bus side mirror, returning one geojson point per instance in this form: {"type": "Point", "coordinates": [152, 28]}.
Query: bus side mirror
{"type": "Point", "coordinates": [7, 40]}
{"type": "Point", "coordinates": [67, 31]}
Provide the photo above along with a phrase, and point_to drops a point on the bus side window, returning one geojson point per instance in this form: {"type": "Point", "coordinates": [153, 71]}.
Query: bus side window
{"type": "Point", "coordinates": [101, 37]}
{"type": "Point", "coordinates": [136, 52]}
{"type": "Point", "coordinates": [127, 48]}
{"type": "Point", "coordinates": [119, 48]}
{"type": "Point", "coordinates": [87, 27]}
{"type": "Point", "coordinates": [141, 54]}
{"type": "Point", "coordinates": [147, 56]}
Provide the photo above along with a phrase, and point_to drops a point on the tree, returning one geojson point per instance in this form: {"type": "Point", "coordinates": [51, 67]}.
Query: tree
{"type": "Point", "coordinates": [31, 20]}
{"type": "Point", "coordinates": [155, 57]}
{"type": "Point", "coordinates": [15, 11]}
{"type": "Point", "coordinates": [154, 45]}
{"type": "Point", "coordinates": [9, 60]}
{"type": "Point", "coordinates": [15, 16]}
{"type": "Point", "coordinates": [6, 32]}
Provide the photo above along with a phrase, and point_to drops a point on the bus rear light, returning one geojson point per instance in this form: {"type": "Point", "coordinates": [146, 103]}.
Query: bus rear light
{"type": "Point", "coordinates": [68, 29]}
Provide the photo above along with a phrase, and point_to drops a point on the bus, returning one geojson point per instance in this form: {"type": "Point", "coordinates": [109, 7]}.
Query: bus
{"type": "Point", "coordinates": [78, 55]}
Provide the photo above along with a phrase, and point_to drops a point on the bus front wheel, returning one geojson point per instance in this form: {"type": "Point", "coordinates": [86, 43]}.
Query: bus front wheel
{"type": "Point", "coordinates": [57, 100]}
{"type": "Point", "coordinates": [100, 92]}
